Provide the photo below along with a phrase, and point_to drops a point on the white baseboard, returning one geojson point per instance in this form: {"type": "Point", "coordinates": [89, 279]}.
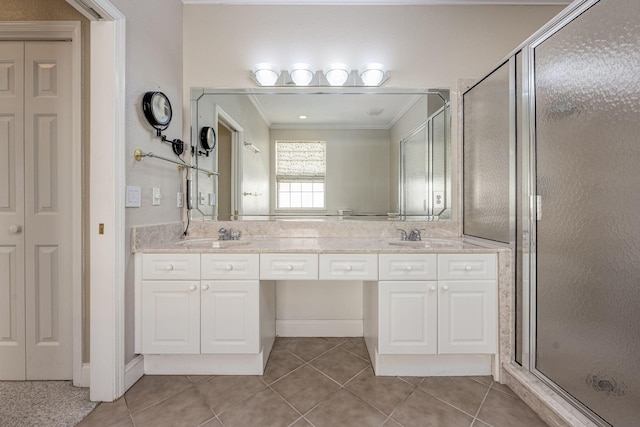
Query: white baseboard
{"type": "Point", "coordinates": [319, 328]}
{"type": "Point", "coordinates": [133, 371]}
{"type": "Point", "coordinates": [205, 364]}
{"type": "Point", "coordinates": [431, 365]}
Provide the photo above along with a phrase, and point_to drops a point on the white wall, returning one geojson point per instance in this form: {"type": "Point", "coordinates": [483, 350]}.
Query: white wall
{"type": "Point", "coordinates": [153, 62]}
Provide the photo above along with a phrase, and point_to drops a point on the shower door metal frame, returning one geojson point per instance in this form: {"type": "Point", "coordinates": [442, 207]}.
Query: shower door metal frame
{"type": "Point", "coordinates": [529, 145]}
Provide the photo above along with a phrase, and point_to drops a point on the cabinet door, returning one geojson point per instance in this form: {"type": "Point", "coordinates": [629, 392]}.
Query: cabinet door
{"type": "Point", "coordinates": [467, 317]}
{"type": "Point", "coordinates": [170, 317]}
{"type": "Point", "coordinates": [230, 316]}
{"type": "Point", "coordinates": [408, 317]}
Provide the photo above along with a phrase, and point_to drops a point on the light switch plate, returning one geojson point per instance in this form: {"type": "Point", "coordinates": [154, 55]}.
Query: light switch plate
{"type": "Point", "coordinates": [179, 200]}
{"type": "Point", "coordinates": [155, 200]}
{"type": "Point", "coordinates": [212, 199]}
{"type": "Point", "coordinates": [133, 197]}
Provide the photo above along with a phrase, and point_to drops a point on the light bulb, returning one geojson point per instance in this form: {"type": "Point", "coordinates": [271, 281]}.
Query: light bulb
{"type": "Point", "coordinates": [301, 74]}
{"type": "Point", "coordinates": [337, 74]}
{"type": "Point", "coordinates": [372, 74]}
{"type": "Point", "coordinates": [266, 74]}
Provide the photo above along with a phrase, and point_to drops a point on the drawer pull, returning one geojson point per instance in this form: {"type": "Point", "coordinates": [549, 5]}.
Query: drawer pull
{"type": "Point", "coordinates": [467, 268]}
{"type": "Point", "coordinates": [408, 268]}
{"type": "Point", "coordinates": [432, 288]}
{"type": "Point", "coordinates": [445, 287]}
{"type": "Point", "coordinates": [169, 267]}
{"type": "Point", "coordinates": [205, 287]}
{"type": "Point", "coordinates": [348, 268]}
{"type": "Point", "coordinates": [193, 287]}
{"type": "Point", "coordinates": [229, 267]}
{"type": "Point", "coordinates": [289, 267]}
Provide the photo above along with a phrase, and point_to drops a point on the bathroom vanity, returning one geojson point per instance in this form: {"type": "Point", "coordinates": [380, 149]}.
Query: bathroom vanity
{"type": "Point", "coordinates": [208, 307]}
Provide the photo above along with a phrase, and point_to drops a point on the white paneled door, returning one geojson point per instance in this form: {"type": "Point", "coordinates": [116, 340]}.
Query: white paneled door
{"type": "Point", "coordinates": [35, 211]}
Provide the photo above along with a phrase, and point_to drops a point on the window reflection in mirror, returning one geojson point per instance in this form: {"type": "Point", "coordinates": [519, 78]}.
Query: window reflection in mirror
{"type": "Point", "coordinates": [361, 135]}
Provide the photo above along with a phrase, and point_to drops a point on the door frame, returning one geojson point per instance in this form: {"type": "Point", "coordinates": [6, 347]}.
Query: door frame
{"type": "Point", "coordinates": [66, 30]}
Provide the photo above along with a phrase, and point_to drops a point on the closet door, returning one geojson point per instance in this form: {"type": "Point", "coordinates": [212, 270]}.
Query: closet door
{"type": "Point", "coordinates": [36, 338]}
{"type": "Point", "coordinates": [12, 304]}
{"type": "Point", "coordinates": [48, 213]}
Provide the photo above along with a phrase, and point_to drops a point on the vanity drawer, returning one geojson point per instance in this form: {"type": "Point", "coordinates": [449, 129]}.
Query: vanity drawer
{"type": "Point", "coordinates": [467, 267]}
{"type": "Point", "coordinates": [289, 266]}
{"type": "Point", "coordinates": [230, 266]}
{"type": "Point", "coordinates": [408, 266]}
{"type": "Point", "coordinates": [170, 266]}
{"type": "Point", "coordinates": [348, 267]}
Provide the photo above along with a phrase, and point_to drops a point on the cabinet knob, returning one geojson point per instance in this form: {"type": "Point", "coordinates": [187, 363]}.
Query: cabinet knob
{"type": "Point", "coordinates": [14, 229]}
{"type": "Point", "coordinates": [432, 288]}
{"type": "Point", "coordinates": [445, 287]}
{"type": "Point", "coordinates": [289, 267]}
{"type": "Point", "coordinates": [205, 287]}
{"type": "Point", "coordinates": [169, 267]}
{"type": "Point", "coordinates": [467, 268]}
{"type": "Point", "coordinates": [408, 268]}
{"type": "Point", "coordinates": [193, 287]}
{"type": "Point", "coordinates": [229, 267]}
{"type": "Point", "coordinates": [348, 268]}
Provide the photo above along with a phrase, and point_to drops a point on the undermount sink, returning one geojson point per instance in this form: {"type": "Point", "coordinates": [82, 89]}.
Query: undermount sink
{"type": "Point", "coordinates": [213, 243]}
{"type": "Point", "coordinates": [418, 244]}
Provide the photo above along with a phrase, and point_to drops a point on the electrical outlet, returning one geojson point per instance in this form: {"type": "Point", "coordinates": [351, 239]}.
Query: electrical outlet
{"type": "Point", "coordinates": [180, 200]}
{"type": "Point", "coordinates": [212, 199]}
{"type": "Point", "coordinates": [438, 199]}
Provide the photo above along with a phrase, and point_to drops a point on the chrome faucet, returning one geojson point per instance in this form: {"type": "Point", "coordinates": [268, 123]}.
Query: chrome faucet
{"type": "Point", "coordinates": [223, 234]}
{"type": "Point", "coordinates": [414, 235]}
{"type": "Point", "coordinates": [403, 235]}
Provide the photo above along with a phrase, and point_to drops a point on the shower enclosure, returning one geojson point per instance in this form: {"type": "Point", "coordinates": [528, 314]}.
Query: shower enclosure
{"type": "Point", "coordinates": [575, 161]}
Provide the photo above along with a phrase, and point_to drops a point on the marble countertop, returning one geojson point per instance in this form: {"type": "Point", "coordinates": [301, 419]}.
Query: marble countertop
{"type": "Point", "coordinates": [315, 245]}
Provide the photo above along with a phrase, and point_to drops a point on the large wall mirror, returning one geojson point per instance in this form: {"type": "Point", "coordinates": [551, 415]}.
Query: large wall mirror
{"type": "Point", "coordinates": [345, 154]}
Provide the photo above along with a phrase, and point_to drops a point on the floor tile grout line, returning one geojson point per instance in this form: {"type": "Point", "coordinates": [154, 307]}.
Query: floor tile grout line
{"type": "Point", "coordinates": [475, 417]}
{"type": "Point", "coordinates": [448, 403]}
{"type": "Point", "coordinates": [415, 387]}
{"type": "Point", "coordinates": [156, 402]}
{"type": "Point", "coordinates": [286, 401]}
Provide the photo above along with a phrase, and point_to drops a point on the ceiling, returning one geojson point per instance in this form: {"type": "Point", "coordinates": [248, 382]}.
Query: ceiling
{"type": "Point", "coordinates": [340, 110]}
{"type": "Point", "coordinates": [383, 2]}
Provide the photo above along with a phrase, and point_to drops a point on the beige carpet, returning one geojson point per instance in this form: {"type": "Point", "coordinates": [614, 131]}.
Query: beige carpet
{"type": "Point", "coordinates": [43, 403]}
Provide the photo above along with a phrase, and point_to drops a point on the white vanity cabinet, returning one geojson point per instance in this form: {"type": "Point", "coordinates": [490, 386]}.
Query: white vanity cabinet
{"type": "Point", "coordinates": [170, 304]}
{"type": "Point", "coordinates": [230, 307]}
{"type": "Point", "coordinates": [216, 308]}
{"type": "Point", "coordinates": [467, 303]}
{"type": "Point", "coordinates": [431, 314]}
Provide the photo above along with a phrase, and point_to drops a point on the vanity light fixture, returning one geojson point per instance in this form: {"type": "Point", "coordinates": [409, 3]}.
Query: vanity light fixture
{"type": "Point", "coordinates": [337, 74]}
{"type": "Point", "coordinates": [372, 74]}
{"type": "Point", "coordinates": [266, 74]}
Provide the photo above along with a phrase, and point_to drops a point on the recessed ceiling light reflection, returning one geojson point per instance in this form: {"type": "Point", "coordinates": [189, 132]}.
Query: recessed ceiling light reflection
{"type": "Point", "coordinates": [303, 117]}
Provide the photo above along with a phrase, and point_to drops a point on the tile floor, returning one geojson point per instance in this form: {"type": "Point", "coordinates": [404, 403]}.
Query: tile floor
{"type": "Point", "coordinates": [315, 382]}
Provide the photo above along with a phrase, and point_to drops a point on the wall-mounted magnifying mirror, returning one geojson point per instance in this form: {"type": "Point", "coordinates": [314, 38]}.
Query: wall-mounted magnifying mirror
{"type": "Point", "coordinates": [158, 112]}
{"type": "Point", "coordinates": [207, 139]}
{"type": "Point", "coordinates": [323, 154]}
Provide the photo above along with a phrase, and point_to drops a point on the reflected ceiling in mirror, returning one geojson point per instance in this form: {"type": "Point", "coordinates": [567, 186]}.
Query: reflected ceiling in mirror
{"type": "Point", "coordinates": [361, 128]}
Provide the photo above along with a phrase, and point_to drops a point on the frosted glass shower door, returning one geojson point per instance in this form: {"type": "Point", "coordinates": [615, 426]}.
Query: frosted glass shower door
{"type": "Point", "coordinates": [587, 106]}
